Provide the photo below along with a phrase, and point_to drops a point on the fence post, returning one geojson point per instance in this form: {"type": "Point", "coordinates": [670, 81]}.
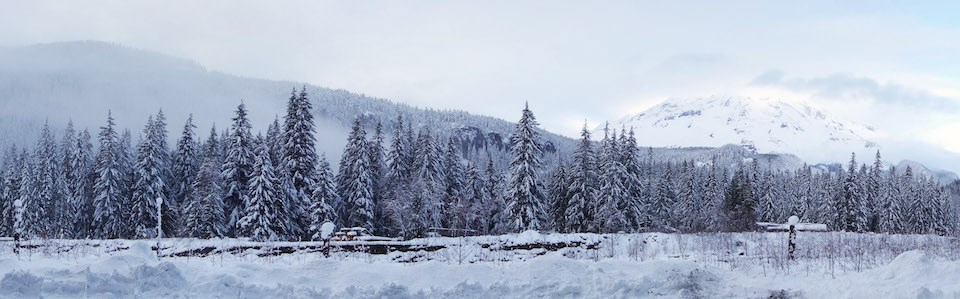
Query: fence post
{"type": "Point", "coordinates": [791, 240]}
{"type": "Point", "coordinates": [16, 244]}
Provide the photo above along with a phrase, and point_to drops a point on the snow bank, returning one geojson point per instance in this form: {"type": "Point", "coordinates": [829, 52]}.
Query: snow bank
{"type": "Point", "coordinates": [599, 266]}
{"type": "Point", "coordinates": [548, 276]}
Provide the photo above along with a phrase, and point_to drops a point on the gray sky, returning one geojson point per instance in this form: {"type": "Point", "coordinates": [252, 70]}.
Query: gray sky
{"type": "Point", "coordinates": [890, 64]}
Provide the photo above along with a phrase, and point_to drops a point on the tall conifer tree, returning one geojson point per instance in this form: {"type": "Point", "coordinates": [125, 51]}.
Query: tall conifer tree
{"type": "Point", "coordinates": [524, 194]}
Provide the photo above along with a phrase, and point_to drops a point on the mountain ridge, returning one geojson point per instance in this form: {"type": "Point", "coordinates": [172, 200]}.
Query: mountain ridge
{"type": "Point", "coordinates": [762, 125]}
{"type": "Point", "coordinates": [83, 80]}
{"type": "Point", "coordinates": [759, 124]}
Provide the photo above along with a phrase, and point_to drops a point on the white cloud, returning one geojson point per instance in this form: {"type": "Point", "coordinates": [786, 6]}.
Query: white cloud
{"type": "Point", "coordinates": [945, 135]}
{"type": "Point", "coordinates": [916, 124]}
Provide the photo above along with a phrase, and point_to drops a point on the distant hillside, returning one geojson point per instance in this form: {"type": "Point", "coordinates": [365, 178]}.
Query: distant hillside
{"type": "Point", "coordinates": [83, 80]}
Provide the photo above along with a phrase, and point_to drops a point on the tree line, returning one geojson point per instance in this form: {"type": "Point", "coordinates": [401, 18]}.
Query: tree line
{"type": "Point", "coordinates": [275, 186]}
{"type": "Point", "coordinates": [613, 188]}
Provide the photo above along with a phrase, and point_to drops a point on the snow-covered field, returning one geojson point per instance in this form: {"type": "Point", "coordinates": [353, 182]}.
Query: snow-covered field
{"type": "Point", "coordinates": [739, 265]}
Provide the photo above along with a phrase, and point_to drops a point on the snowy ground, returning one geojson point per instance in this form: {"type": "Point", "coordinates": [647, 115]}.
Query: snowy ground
{"type": "Point", "coordinates": [750, 265]}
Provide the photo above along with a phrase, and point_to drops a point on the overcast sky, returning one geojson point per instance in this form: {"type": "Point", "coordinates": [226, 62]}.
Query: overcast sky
{"type": "Point", "coordinates": [894, 65]}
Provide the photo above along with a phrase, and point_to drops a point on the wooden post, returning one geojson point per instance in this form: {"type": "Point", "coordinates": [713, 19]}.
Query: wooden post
{"type": "Point", "coordinates": [159, 224]}
{"type": "Point", "coordinates": [791, 240]}
{"type": "Point", "coordinates": [792, 246]}
{"type": "Point", "coordinates": [16, 243]}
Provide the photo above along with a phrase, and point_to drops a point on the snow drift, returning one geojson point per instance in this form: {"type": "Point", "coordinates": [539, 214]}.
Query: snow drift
{"type": "Point", "coordinates": [602, 266]}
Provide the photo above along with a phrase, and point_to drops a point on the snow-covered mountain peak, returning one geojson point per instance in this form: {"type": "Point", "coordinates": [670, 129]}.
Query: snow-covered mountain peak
{"type": "Point", "coordinates": [763, 125]}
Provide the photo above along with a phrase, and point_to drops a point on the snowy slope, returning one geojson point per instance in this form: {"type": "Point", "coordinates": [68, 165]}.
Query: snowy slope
{"type": "Point", "coordinates": [82, 80]}
{"type": "Point", "coordinates": [763, 125]}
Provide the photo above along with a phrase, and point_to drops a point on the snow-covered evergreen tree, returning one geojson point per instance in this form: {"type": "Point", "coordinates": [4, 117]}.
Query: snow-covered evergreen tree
{"type": "Point", "coordinates": [478, 197]}
{"type": "Point", "coordinates": [768, 201]}
{"type": "Point", "coordinates": [629, 157]}
{"type": "Point", "coordinates": [149, 184]}
{"type": "Point", "coordinates": [377, 175]}
{"type": "Point", "coordinates": [927, 214]}
{"type": "Point", "coordinates": [79, 185]}
{"type": "Point", "coordinates": [739, 203]}
{"type": "Point", "coordinates": [108, 221]}
{"type": "Point", "coordinates": [186, 163]}
{"type": "Point", "coordinates": [222, 145]}
{"type": "Point", "coordinates": [935, 205]}
{"type": "Point", "coordinates": [211, 147]}
{"type": "Point", "coordinates": [685, 208]}
{"type": "Point", "coordinates": [612, 195]}
{"type": "Point", "coordinates": [910, 200]}
{"type": "Point", "coordinates": [43, 207]}
{"type": "Point", "coordinates": [5, 201]}
{"type": "Point", "coordinates": [128, 159]}
{"type": "Point", "coordinates": [713, 196]}
{"type": "Point", "coordinates": [648, 191]}
{"type": "Point", "coordinates": [943, 222]}
{"type": "Point", "coordinates": [663, 200]}
{"type": "Point", "coordinates": [863, 205]}
{"type": "Point", "coordinates": [399, 168]}
{"type": "Point", "coordinates": [801, 194]}
{"type": "Point", "coordinates": [204, 214]}
{"type": "Point", "coordinates": [396, 186]}
{"type": "Point", "coordinates": [524, 194]}
{"type": "Point", "coordinates": [325, 193]}
{"type": "Point", "coordinates": [9, 188]}
{"type": "Point", "coordinates": [170, 209]}
{"type": "Point", "coordinates": [411, 142]}
{"type": "Point", "coordinates": [826, 192]}
{"type": "Point", "coordinates": [23, 170]}
{"type": "Point", "coordinates": [426, 201]}
{"type": "Point", "coordinates": [27, 206]}
{"type": "Point", "coordinates": [875, 194]}
{"type": "Point", "coordinates": [355, 181]}
{"type": "Point", "coordinates": [63, 208]}
{"type": "Point", "coordinates": [275, 134]}
{"type": "Point", "coordinates": [454, 201]}
{"type": "Point", "coordinates": [559, 194]}
{"type": "Point", "coordinates": [583, 180]}
{"type": "Point", "coordinates": [237, 169]}
{"type": "Point", "coordinates": [496, 212]}
{"type": "Point", "coordinates": [892, 218]}
{"type": "Point", "coordinates": [263, 207]}
{"type": "Point", "coordinates": [852, 205]}
{"type": "Point", "coordinates": [299, 160]}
